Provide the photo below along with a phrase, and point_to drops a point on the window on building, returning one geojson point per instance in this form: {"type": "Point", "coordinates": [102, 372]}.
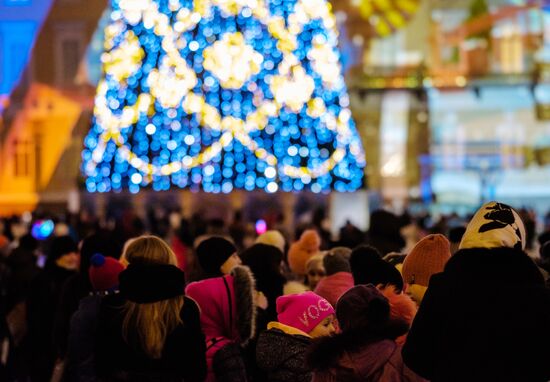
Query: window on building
{"type": "Point", "coordinates": [71, 57]}
{"type": "Point", "coordinates": [69, 47]}
{"type": "Point", "coordinates": [23, 155]}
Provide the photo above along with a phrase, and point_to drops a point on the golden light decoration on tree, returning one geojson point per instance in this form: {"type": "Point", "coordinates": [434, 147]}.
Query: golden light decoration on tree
{"type": "Point", "coordinates": [387, 16]}
{"type": "Point", "coordinates": [384, 16]}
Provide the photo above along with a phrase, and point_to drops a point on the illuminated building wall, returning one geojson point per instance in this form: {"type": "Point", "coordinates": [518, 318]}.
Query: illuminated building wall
{"type": "Point", "coordinates": [220, 95]}
{"type": "Point", "coordinates": [489, 145]}
{"type": "Point", "coordinates": [20, 21]}
{"type": "Point", "coordinates": [47, 115]}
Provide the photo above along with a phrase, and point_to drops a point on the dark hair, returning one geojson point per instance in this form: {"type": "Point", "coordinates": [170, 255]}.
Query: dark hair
{"type": "Point", "coordinates": [60, 246]}
{"type": "Point", "coordinates": [28, 242]}
{"type": "Point", "coordinates": [456, 233]}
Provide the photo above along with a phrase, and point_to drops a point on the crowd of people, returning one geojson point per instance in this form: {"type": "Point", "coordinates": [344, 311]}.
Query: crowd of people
{"type": "Point", "coordinates": [213, 303]}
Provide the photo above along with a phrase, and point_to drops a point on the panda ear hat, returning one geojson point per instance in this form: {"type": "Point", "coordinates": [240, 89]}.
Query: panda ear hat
{"type": "Point", "coordinates": [495, 225]}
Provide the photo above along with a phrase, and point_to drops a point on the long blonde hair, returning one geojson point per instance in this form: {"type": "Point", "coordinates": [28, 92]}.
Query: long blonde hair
{"type": "Point", "coordinates": [151, 322]}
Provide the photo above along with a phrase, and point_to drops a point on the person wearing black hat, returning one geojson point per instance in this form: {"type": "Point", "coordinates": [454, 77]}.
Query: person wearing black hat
{"type": "Point", "coordinates": [42, 304]}
{"type": "Point", "coordinates": [368, 267]}
{"type": "Point", "coordinates": [150, 331]}
{"type": "Point", "coordinates": [217, 257]}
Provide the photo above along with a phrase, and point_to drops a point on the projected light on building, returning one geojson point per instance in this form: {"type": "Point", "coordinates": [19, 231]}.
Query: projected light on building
{"type": "Point", "coordinates": [222, 94]}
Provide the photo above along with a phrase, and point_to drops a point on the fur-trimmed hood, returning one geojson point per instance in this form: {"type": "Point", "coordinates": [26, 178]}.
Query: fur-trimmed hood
{"type": "Point", "coordinates": [227, 305]}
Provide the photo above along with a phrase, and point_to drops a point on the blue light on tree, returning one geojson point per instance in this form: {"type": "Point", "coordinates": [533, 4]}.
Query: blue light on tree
{"type": "Point", "coordinates": [222, 94]}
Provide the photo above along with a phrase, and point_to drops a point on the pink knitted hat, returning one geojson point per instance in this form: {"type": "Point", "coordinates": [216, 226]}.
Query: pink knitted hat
{"type": "Point", "coordinates": [303, 311]}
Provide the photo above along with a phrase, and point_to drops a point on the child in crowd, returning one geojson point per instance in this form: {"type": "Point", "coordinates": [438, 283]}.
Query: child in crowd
{"type": "Point", "coordinates": [366, 349]}
{"type": "Point", "coordinates": [281, 350]}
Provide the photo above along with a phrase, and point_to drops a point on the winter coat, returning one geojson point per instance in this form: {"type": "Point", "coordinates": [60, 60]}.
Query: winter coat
{"type": "Point", "coordinates": [182, 357]}
{"type": "Point", "coordinates": [333, 286]}
{"type": "Point", "coordinates": [80, 364]}
{"type": "Point", "coordinates": [485, 318]}
{"type": "Point", "coordinates": [265, 261]}
{"type": "Point", "coordinates": [228, 319]}
{"type": "Point", "coordinates": [281, 354]}
{"type": "Point", "coordinates": [74, 289]}
{"type": "Point", "coordinates": [23, 269]}
{"type": "Point", "coordinates": [42, 304]}
{"type": "Point", "coordinates": [360, 356]}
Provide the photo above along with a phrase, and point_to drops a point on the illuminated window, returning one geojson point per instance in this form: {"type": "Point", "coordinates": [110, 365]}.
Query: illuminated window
{"type": "Point", "coordinates": [23, 155]}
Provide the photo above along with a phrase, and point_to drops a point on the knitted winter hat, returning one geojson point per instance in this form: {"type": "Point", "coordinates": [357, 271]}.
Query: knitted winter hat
{"type": "Point", "coordinates": [368, 267]}
{"type": "Point", "coordinates": [300, 251]}
{"type": "Point", "coordinates": [361, 307]}
{"type": "Point", "coordinates": [428, 257]}
{"type": "Point", "coordinates": [274, 238]}
{"type": "Point", "coordinates": [303, 311]}
{"type": "Point", "coordinates": [335, 263]}
{"type": "Point", "coordinates": [104, 272]}
{"type": "Point", "coordinates": [213, 252]}
{"type": "Point", "coordinates": [495, 225]}
{"type": "Point", "coordinates": [147, 283]}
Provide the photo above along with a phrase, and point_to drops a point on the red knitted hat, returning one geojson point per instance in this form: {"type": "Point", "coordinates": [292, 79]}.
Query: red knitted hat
{"type": "Point", "coordinates": [104, 272]}
{"type": "Point", "coordinates": [428, 257]}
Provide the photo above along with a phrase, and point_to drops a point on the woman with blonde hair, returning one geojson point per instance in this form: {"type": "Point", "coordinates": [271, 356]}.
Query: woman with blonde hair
{"type": "Point", "coordinates": [150, 331]}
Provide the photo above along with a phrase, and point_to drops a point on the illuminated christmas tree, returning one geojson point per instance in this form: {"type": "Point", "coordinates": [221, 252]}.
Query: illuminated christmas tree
{"type": "Point", "coordinates": [222, 94]}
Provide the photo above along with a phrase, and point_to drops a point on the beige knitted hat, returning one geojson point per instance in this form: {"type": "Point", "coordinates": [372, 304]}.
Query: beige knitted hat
{"type": "Point", "coordinates": [428, 257]}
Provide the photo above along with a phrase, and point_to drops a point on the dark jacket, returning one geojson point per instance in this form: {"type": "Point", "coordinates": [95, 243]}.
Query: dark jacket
{"type": "Point", "coordinates": [360, 356]}
{"type": "Point", "coordinates": [183, 356]}
{"type": "Point", "coordinates": [485, 318]}
{"type": "Point", "coordinates": [282, 356]}
{"type": "Point", "coordinates": [80, 363]}
{"type": "Point", "coordinates": [265, 263]}
{"type": "Point", "coordinates": [23, 269]}
{"type": "Point", "coordinates": [42, 304]}
{"type": "Point", "coordinates": [74, 289]}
